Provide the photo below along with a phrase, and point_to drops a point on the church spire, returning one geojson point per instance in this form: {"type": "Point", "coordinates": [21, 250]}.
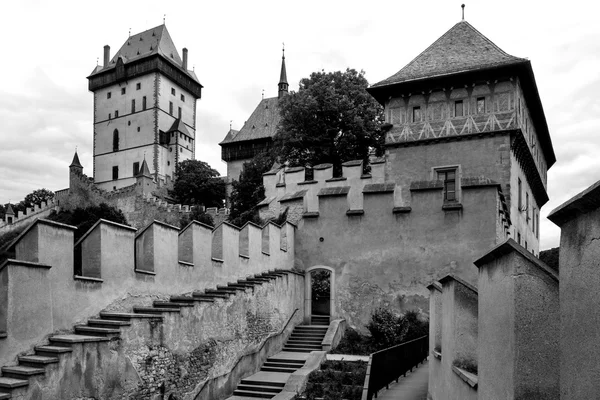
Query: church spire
{"type": "Point", "coordinates": [283, 84]}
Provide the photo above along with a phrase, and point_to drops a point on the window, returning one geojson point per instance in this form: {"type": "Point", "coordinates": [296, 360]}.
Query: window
{"type": "Point", "coordinates": [526, 245]}
{"type": "Point", "coordinates": [481, 105]}
{"type": "Point", "coordinates": [109, 116]}
{"type": "Point", "coordinates": [183, 98]}
{"type": "Point", "coordinates": [116, 113]}
{"type": "Point", "coordinates": [449, 178]}
{"type": "Point", "coordinates": [458, 108]}
{"type": "Point", "coordinates": [179, 112]}
{"type": "Point", "coordinates": [537, 224]}
{"type": "Point", "coordinates": [519, 237]}
{"type": "Point", "coordinates": [123, 90]}
{"type": "Point", "coordinates": [136, 168]}
{"type": "Point", "coordinates": [416, 114]}
{"type": "Point", "coordinates": [527, 208]}
{"type": "Point", "coordinates": [115, 173]}
{"type": "Point", "coordinates": [115, 140]}
{"type": "Point", "coordinates": [171, 108]}
{"type": "Point", "coordinates": [520, 195]}
{"type": "Point", "coordinates": [138, 86]}
{"type": "Point", "coordinates": [133, 105]}
{"type": "Point", "coordinates": [108, 95]}
{"type": "Point", "coordinates": [173, 91]}
{"type": "Point", "coordinates": [144, 103]}
{"type": "Point", "coordinates": [533, 220]}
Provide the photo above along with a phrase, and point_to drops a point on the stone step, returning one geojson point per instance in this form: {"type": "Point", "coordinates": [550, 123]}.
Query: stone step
{"type": "Point", "coordinates": [296, 350]}
{"type": "Point", "coordinates": [306, 337]}
{"type": "Point", "coordinates": [278, 369]}
{"type": "Point", "coordinates": [287, 360]}
{"type": "Point", "coordinates": [249, 393]}
{"type": "Point", "coordinates": [107, 323]}
{"type": "Point", "coordinates": [3, 334]}
{"type": "Point", "coordinates": [95, 330]}
{"type": "Point", "coordinates": [279, 364]}
{"type": "Point", "coordinates": [183, 299]}
{"type": "Point", "coordinates": [171, 304]}
{"type": "Point", "coordinates": [5, 396]}
{"type": "Point", "coordinates": [37, 360]}
{"type": "Point", "coordinates": [245, 285]}
{"type": "Point", "coordinates": [203, 295]}
{"type": "Point", "coordinates": [304, 343]}
{"type": "Point", "coordinates": [21, 371]}
{"type": "Point", "coordinates": [52, 351]}
{"type": "Point", "coordinates": [12, 383]}
{"type": "Point", "coordinates": [257, 388]}
{"type": "Point", "coordinates": [234, 288]}
{"type": "Point", "coordinates": [67, 340]}
{"type": "Point", "coordinates": [262, 383]}
{"type": "Point", "coordinates": [126, 316]}
{"type": "Point", "coordinates": [155, 310]}
{"type": "Point", "coordinates": [220, 291]}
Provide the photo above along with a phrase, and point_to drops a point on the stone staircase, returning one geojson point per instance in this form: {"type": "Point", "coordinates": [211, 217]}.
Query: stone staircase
{"type": "Point", "coordinates": [319, 320]}
{"type": "Point", "coordinates": [275, 372]}
{"type": "Point", "coordinates": [15, 379]}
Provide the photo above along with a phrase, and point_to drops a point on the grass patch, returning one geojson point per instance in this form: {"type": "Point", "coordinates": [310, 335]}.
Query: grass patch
{"type": "Point", "coordinates": [337, 380]}
{"type": "Point", "coordinates": [467, 364]}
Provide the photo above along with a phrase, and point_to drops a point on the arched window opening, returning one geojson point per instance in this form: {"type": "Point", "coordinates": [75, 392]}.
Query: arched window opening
{"type": "Point", "coordinates": [116, 140]}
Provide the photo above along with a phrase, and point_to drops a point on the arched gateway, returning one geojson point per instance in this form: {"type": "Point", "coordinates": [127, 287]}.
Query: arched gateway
{"type": "Point", "coordinates": [319, 295]}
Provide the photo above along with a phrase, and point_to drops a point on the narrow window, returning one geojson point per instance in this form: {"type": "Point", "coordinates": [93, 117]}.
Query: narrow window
{"type": "Point", "coordinates": [481, 105]}
{"type": "Point", "coordinates": [116, 113]}
{"type": "Point", "coordinates": [458, 108]}
{"type": "Point", "coordinates": [537, 223]}
{"type": "Point", "coordinates": [108, 95]}
{"type": "Point", "coordinates": [123, 90]}
{"type": "Point", "coordinates": [519, 237]}
{"type": "Point", "coordinates": [183, 98]}
{"type": "Point", "coordinates": [136, 168]}
{"type": "Point", "coordinates": [526, 245]}
{"type": "Point", "coordinates": [533, 220]}
{"type": "Point", "coordinates": [416, 114]}
{"type": "Point", "coordinates": [115, 173]}
{"type": "Point", "coordinates": [171, 108]}
{"type": "Point", "coordinates": [109, 115]}
{"type": "Point", "coordinates": [144, 103]}
{"type": "Point", "coordinates": [527, 208]}
{"type": "Point", "coordinates": [173, 91]}
{"type": "Point", "coordinates": [132, 105]}
{"type": "Point", "coordinates": [138, 86]}
{"type": "Point", "coordinates": [115, 140]}
{"type": "Point", "coordinates": [449, 178]}
{"type": "Point", "coordinates": [520, 195]}
{"type": "Point", "coordinates": [179, 112]}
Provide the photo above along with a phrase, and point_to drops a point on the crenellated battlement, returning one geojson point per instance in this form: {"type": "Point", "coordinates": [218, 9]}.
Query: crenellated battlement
{"type": "Point", "coordinates": [21, 219]}
{"type": "Point", "coordinates": [59, 283]}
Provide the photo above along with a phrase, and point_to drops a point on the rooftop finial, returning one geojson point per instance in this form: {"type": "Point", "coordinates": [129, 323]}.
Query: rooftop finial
{"type": "Point", "coordinates": [129, 32]}
{"type": "Point", "coordinates": [263, 94]}
{"type": "Point", "coordinates": [230, 123]}
{"type": "Point", "coordinates": [283, 50]}
{"type": "Point", "coordinates": [463, 11]}
{"type": "Point", "coordinates": [97, 61]}
{"type": "Point", "coordinates": [164, 18]}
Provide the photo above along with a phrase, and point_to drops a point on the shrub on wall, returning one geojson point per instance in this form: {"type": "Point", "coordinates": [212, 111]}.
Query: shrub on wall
{"type": "Point", "coordinates": [85, 218]}
{"type": "Point", "coordinates": [196, 215]}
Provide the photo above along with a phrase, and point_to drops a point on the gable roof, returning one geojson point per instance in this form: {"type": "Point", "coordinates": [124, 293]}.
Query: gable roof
{"type": "Point", "coordinates": [230, 135]}
{"type": "Point", "coordinates": [261, 124]}
{"type": "Point", "coordinates": [179, 126]}
{"type": "Point", "coordinates": [9, 210]}
{"type": "Point", "coordinates": [462, 48]}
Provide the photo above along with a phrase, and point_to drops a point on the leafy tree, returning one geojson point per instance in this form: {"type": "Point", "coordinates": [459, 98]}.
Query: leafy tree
{"type": "Point", "coordinates": [331, 119]}
{"type": "Point", "coordinates": [249, 190]}
{"type": "Point", "coordinates": [197, 183]}
{"type": "Point", "coordinates": [551, 257]}
{"type": "Point", "coordinates": [85, 218]}
{"type": "Point", "coordinates": [37, 196]}
{"type": "Point", "coordinates": [196, 215]}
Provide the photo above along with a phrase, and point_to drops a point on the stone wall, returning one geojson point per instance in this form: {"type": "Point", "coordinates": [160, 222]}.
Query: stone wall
{"type": "Point", "coordinates": [63, 283]}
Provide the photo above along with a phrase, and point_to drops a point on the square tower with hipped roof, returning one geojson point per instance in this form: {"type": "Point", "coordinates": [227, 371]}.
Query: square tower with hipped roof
{"type": "Point", "coordinates": [466, 111]}
{"type": "Point", "coordinates": [144, 109]}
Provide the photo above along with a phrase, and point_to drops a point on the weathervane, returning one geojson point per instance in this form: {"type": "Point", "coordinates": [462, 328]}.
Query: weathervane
{"type": "Point", "coordinates": [463, 11]}
{"type": "Point", "coordinates": [164, 18]}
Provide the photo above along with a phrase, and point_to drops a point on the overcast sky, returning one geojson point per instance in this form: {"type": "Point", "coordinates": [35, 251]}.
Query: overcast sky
{"type": "Point", "coordinates": [50, 47]}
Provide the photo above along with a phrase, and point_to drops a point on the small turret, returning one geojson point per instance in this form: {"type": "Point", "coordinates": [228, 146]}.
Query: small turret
{"type": "Point", "coordinates": [283, 84]}
{"type": "Point", "coordinates": [9, 215]}
{"type": "Point", "coordinates": [144, 181]}
{"type": "Point", "coordinates": [75, 170]}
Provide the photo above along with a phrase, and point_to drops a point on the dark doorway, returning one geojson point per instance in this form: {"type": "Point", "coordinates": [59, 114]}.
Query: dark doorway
{"type": "Point", "coordinates": [320, 297]}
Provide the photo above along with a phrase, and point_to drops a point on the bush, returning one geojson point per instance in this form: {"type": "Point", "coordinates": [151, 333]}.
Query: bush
{"type": "Point", "coordinates": [84, 218]}
{"type": "Point", "coordinates": [196, 215]}
{"type": "Point", "coordinates": [468, 364]}
{"type": "Point", "coordinates": [354, 343]}
{"type": "Point", "coordinates": [337, 380]}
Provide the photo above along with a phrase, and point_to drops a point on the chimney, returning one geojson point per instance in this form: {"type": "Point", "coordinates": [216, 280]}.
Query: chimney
{"type": "Point", "coordinates": [184, 63]}
{"type": "Point", "coordinates": [106, 55]}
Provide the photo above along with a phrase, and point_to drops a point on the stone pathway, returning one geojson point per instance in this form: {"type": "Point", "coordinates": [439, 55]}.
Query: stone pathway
{"type": "Point", "coordinates": [413, 387]}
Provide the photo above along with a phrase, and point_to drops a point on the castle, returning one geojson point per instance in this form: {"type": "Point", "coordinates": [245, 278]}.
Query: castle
{"type": "Point", "coordinates": [464, 171]}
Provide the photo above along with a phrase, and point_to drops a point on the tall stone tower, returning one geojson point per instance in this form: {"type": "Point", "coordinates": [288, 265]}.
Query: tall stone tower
{"type": "Point", "coordinates": [464, 109]}
{"type": "Point", "coordinates": [144, 105]}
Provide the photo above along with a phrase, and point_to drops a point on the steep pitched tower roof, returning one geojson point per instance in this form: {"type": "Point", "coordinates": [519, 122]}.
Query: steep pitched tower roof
{"type": "Point", "coordinates": [463, 48]}
{"type": "Point", "coordinates": [9, 210]}
{"type": "Point", "coordinates": [283, 83]}
{"type": "Point", "coordinates": [75, 162]}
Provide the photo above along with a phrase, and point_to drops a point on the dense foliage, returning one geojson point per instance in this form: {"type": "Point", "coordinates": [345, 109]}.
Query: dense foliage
{"type": "Point", "coordinates": [331, 119]}
{"type": "Point", "coordinates": [85, 218]}
{"type": "Point", "coordinates": [197, 214]}
{"type": "Point", "coordinates": [386, 330]}
{"type": "Point", "coordinates": [320, 284]}
{"type": "Point", "coordinates": [249, 190]}
{"type": "Point", "coordinates": [337, 380]}
{"type": "Point", "coordinates": [196, 183]}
